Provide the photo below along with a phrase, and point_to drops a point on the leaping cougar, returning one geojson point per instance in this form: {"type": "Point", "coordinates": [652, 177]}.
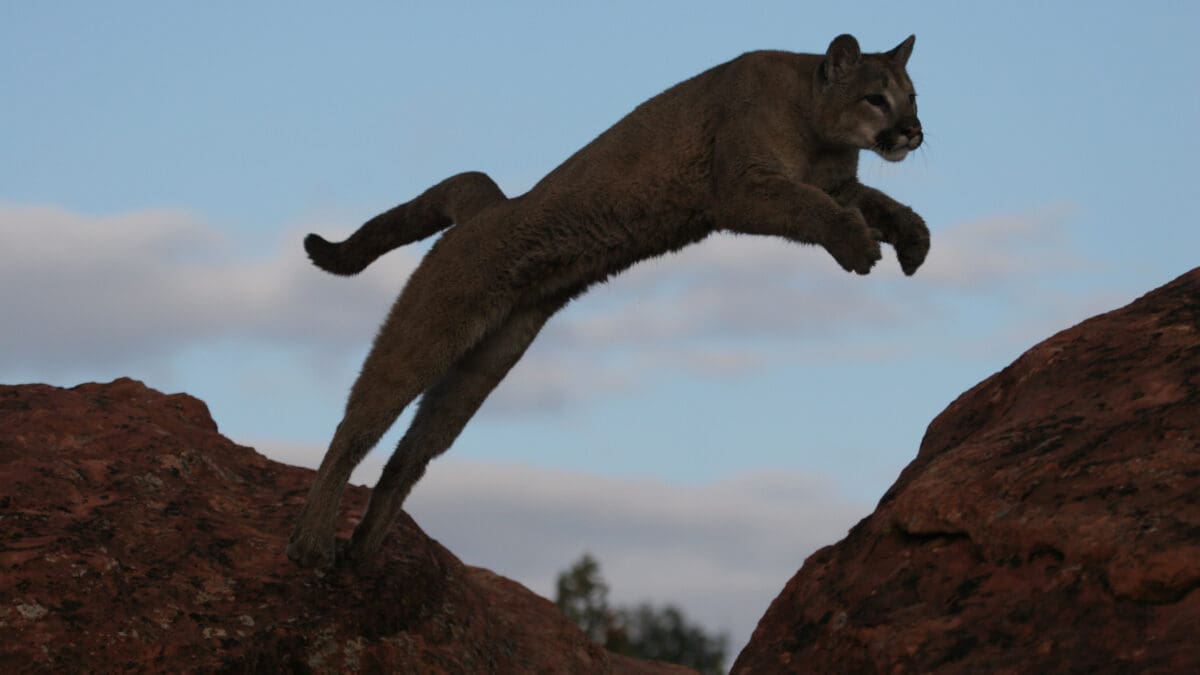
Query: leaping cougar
{"type": "Point", "coordinates": [767, 144]}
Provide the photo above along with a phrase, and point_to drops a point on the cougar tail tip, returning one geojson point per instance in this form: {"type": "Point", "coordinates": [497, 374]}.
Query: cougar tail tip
{"type": "Point", "coordinates": [326, 255]}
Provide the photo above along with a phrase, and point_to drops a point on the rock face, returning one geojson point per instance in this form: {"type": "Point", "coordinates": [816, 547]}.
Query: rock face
{"type": "Point", "coordinates": [1050, 522]}
{"type": "Point", "coordinates": [134, 537]}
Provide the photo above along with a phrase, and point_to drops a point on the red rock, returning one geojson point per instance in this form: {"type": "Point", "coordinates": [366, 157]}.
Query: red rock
{"type": "Point", "coordinates": [134, 537]}
{"type": "Point", "coordinates": [1049, 523]}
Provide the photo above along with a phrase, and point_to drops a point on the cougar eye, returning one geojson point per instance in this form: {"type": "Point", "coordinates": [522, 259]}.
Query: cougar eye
{"type": "Point", "coordinates": [877, 101]}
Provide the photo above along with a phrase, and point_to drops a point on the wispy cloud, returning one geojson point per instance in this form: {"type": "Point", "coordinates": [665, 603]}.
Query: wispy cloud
{"type": "Point", "coordinates": [86, 290]}
{"type": "Point", "coordinates": [655, 541]}
{"type": "Point", "coordinates": [125, 288]}
{"type": "Point", "coordinates": [1002, 252]}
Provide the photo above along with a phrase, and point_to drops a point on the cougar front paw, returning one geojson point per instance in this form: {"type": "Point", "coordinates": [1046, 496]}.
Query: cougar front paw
{"type": "Point", "coordinates": [912, 241]}
{"type": "Point", "coordinates": [852, 244]}
{"type": "Point", "coordinates": [311, 550]}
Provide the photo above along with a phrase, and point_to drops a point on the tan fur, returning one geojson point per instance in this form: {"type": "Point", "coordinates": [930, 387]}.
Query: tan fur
{"type": "Point", "coordinates": [767, 144]}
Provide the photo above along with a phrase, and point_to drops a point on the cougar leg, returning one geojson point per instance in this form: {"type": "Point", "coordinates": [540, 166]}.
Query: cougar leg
{"type": "Point", "coordinates": [311, 542]}
{"type": "Point", "coordinates": [443, 412]}
{"type": "Point", "coordinates": [455, 200]}
{"type": "Point", "coordinates": [433, 324]}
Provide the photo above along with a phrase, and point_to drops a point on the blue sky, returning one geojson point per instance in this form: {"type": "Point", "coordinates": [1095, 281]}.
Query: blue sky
{"type": "Point", "coordinates": [161, 162]}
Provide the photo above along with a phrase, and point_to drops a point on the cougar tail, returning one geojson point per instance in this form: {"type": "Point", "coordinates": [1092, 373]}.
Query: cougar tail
{"type": "Point", "coordinates": [454, 200]}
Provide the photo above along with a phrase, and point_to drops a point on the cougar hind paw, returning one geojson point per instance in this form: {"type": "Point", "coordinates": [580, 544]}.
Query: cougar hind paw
{"type": "Point", "coordinates": [311, 551]}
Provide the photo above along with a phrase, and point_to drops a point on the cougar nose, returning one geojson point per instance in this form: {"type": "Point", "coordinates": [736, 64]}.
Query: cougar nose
{"type": "Point", "coordinates": [913, 129]}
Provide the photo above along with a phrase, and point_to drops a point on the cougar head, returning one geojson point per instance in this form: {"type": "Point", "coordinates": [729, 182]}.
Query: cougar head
{"type": "Point", "coordinates": [867, 101]}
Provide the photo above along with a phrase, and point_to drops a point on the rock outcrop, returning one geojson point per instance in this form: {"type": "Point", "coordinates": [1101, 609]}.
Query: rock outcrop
{"type": "Point", "coordinates": [135, 538]}
{"type": "Point", "coordinates": [1049, 524]}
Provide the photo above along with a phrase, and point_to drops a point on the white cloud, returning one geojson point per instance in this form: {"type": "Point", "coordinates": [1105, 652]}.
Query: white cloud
{"type": "Point", "coordinates": [127, 288]}
{"type": "Point", "coordinates": [728, 287]}
{"type": "Point", "coordinates": [1002, 251]}
{"type": "Point", "coordinates": [655, 541]}
{"type": "Point", "coordinates": [737, 288]}
{"type": "Point", "coordinates": [547, 382]}
{"type": "Point", "coordinates": [99, 289]}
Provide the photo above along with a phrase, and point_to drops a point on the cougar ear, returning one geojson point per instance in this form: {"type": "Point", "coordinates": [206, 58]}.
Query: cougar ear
{"type": "Point", "coordinates": [903, 50]}
{"type": "Point", "coordinates": [841, 57]}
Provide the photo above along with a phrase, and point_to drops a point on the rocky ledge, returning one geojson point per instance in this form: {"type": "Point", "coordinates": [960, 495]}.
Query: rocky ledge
{"type": "Point", "coordinates": [135, 538]}
{"type": "Point", "coordinates": [1049, 524]}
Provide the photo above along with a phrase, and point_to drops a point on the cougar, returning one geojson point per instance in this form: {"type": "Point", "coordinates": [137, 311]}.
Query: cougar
{"type": "Point", "coordinates": [766, 144]}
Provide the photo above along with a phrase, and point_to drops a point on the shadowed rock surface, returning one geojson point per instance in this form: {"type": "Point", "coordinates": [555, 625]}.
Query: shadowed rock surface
{"type": "Point", "coordinates": [1050, 522]}
{"type": "Point", "coordinates": [134, 538]}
